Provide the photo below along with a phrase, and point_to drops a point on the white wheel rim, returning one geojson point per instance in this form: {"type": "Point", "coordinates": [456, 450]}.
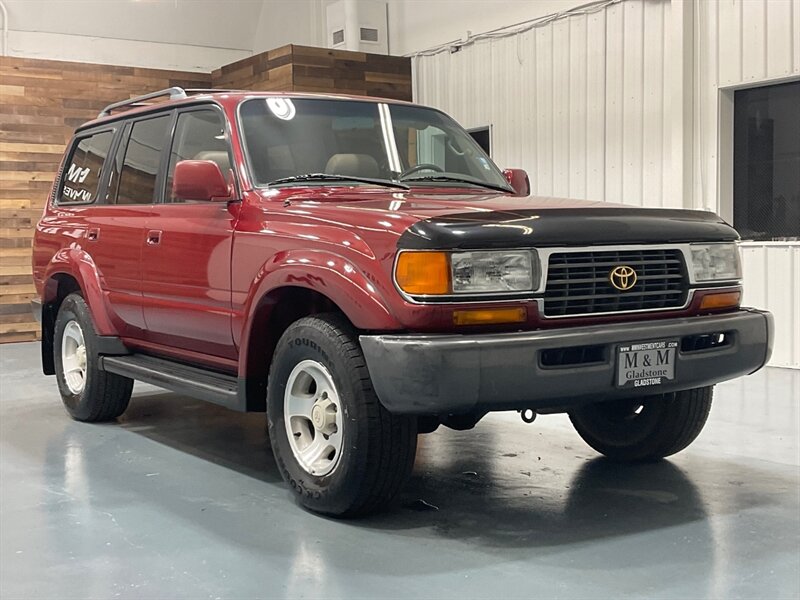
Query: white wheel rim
{"type": "Point", "coordinates": [312, 413]}
{"type": "Point", "coordinates": [73, 357]}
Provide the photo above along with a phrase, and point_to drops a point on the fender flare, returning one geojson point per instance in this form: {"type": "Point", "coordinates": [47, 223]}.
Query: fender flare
{"type": "Point", "coordinates": [329, 274]}
{"type": "Point", "coordinates": [78, 264]}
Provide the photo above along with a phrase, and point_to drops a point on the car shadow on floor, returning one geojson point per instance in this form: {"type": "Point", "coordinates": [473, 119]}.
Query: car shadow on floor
{"type": "Point", "coordinates": [233, 440]}
{"type": "Point", "coordinates": [472, 484]}
{"type": "Point", "coordinates": [498, 487]}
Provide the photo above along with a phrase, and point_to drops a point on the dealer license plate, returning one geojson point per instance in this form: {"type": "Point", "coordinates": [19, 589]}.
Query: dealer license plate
{"type": "Point", "coordinates": [646, 364]}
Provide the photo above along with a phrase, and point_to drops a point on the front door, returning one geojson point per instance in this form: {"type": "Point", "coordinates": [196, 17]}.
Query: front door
{"type": "Point", "coordinates": [186, 260]}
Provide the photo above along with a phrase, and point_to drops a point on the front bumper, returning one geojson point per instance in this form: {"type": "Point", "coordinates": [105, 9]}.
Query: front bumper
{"type": "Point", "coordinates": [456, 374]}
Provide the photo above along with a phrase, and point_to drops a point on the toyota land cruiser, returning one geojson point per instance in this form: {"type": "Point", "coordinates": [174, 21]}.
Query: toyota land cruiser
{"type": "Point", "coordinates": [362, 271]}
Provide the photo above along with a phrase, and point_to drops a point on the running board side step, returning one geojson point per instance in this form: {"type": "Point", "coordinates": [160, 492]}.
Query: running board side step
{"type": "Point", "coordinates": [184, 379]}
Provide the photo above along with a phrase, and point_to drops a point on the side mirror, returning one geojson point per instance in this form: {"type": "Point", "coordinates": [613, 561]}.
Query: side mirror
{"type": "Point", "coordinates": [200, 180]}
{"type": "Point", "coordinates": [518, 179]}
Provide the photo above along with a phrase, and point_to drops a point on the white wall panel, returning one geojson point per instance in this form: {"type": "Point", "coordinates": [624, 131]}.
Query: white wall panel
{"type": "Point", "coordinates": [545, 119]}
{"type": "Point", "coordinates": [578, 106]}
{"type": "Point", "coordinates": [779, 28]}
{"type": "Point", "coordinates": [579, 102]}
{"type": "Point", "coordinates": [595, 106]}
{"type": "Point", "coordinates": [615, 109]}
{"type": "Point", "coordinates": [772, 282]}
{"type": "Point", "coordinates": [654, 150]}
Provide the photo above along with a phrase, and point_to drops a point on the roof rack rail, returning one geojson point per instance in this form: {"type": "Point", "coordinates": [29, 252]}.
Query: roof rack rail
{"type": "Point", "coordinates": [174, 93]}
{"type": "Point", "coordinates": [209, 91]}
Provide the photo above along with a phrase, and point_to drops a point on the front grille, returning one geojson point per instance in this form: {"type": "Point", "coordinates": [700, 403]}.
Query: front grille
{"type": "Point", "coordinates": [578, 282]}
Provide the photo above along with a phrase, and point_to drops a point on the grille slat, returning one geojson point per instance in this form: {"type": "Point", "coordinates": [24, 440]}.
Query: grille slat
{"type": "Point", "coordinates": [578, 282]}
{"type": "Point", "coordinates": [611, 263]}
{"type": "Point", "coordinates": [601, 279]}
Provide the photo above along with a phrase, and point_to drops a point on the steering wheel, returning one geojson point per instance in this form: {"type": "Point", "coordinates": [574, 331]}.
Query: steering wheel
{"type": "Point", "coordinates": [421, 167]}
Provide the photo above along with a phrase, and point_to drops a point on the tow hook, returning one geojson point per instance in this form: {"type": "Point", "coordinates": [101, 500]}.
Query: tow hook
{"type": "Point", "coordinates": [528, 415]}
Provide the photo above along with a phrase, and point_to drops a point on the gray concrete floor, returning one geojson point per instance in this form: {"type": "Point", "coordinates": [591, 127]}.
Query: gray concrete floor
{"type": "Point", "coordinates": [181, 499]}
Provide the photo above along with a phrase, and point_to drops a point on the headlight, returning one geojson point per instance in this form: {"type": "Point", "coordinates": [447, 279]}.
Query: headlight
{"type": "Point", "coordinates": [498, 271]}
{"type": "Point", "coordinates": [424, 273]}
{"type": "Point", "coordinates": [716, 262]}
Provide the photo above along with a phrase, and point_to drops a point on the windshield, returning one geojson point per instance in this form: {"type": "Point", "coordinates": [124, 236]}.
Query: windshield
{"type": "Point", "coordinates": [296, 141]}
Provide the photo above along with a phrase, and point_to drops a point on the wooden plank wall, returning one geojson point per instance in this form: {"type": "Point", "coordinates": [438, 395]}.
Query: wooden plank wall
{"type": "Point", "coordinates": [42, 102]}
{"type": "Point", "coordinates": [307, 69]}
{"type": "Point", "coordinates": [266, 72]}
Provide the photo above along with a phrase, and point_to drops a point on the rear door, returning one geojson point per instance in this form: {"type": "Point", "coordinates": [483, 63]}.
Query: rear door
{"type": "Point", "coordinates": [111, 239]}
{"type": "Point", "coordinates": [187, 253]}
{"type": "Point", "coordinates": [116, 224]}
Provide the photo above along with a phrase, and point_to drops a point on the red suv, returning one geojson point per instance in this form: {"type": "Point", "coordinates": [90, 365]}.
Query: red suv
{"type": "Point", "coordinates": [362, 271]}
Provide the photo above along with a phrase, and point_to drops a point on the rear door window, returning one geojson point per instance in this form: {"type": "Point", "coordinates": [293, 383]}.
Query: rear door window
{"type": "Point", "coordinates": [142, 159]}
{"type": "Point", "coordinates": [81, 175]}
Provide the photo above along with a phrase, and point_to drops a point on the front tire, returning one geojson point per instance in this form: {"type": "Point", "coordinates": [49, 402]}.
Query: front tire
{"type": "Point", "coordinates": [643, 429]}
{"type": "Point", "coordinates": [341, 452]}
{"type": "Point", "coordinates": [89, 394]}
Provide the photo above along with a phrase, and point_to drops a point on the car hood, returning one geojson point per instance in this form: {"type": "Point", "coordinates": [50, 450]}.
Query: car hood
{"type": "Point", "coordinates": [496, 220]}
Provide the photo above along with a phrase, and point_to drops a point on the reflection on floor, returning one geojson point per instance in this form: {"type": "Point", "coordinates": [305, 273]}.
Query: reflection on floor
{"type": "Point", "coordinates": [182, 499]}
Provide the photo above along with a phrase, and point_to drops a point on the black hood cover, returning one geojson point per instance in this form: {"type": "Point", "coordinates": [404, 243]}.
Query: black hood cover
{"type": "Point", "coordinates": [566, 227]}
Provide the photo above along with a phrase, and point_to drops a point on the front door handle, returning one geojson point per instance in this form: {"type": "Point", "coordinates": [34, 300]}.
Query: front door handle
{"type": "Point", "coordinates": [154, 237]}
{"type": "Point", "coordinates": [93, 234]}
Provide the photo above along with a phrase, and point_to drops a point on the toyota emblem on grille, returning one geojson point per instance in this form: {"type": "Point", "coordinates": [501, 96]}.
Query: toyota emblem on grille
{"type": "Point", "coordinates": [623, 277]}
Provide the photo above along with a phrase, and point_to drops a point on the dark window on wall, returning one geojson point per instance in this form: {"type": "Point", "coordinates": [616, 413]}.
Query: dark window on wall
{"type": "Point", "coordinates": [766, 167]}
{"type": "Point", "coordinates": [137, 179]}
{"type": "Point", "coordinates": [482, 136]}
{"type": "Point", "coordinates": [81, 175]}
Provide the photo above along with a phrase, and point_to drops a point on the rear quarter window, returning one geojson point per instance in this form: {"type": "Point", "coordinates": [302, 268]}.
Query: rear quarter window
{"type": "Point", "coordinates": [81, 175]}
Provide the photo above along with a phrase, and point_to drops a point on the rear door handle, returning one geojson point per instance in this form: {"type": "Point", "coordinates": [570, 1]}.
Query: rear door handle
{"type": "Point", "coordinates": [93, 234]}
{"type": "Point", "coordinates": [154, 237]}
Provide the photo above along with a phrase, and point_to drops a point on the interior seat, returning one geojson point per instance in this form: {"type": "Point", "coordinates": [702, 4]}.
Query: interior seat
{"type": "Point", "coordinates": [358, 165]}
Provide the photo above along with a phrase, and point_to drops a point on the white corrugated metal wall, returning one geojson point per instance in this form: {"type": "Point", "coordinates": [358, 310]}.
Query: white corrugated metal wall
{"type": "Point", "coordinates": [743, 43]}
{"type": "Point", "coordinates": [578, 103]}
{"type": "Point", "coordinates": [585, 104]}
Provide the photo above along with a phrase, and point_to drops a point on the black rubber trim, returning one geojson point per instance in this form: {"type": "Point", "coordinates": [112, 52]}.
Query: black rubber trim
{"type": "Point", "coordinates": [770, 326]}
{"type": "Point", "coordinates": [429, 374]}
{"type": "Point", "coordinates": [184, 379]}
{"type": "Point", "coordinates": [36, 309]}
{"type": "Point", "coordinates": [111, 345]}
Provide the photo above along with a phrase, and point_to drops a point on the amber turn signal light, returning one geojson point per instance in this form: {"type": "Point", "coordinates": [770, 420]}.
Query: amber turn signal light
{"type": "Point", "coordinates": [720, 300]}
{"type": "Point", "coordinates": [423, 273]}
{"type": "Point", "coordinates": [489, 316]}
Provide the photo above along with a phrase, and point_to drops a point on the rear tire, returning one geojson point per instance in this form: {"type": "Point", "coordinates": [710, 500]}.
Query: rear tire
{"type": "Point", "coordinates": [643, 429]}
{"type": "Point", "coordinates": [348, 455]}
{"type": "Point", "coordinates": [89, 393]}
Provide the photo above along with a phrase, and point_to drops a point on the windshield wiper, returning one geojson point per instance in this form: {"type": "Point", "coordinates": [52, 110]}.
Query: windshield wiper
{"type": "Point", "coordinates": [440, 177]}
{"type": "Point", "coordinates": [336, 177]}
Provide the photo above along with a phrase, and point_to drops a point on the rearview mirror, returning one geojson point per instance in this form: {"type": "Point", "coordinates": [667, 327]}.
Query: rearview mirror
{"type": "Point", "coordinates": [518, 179]}
{"type": "Point", "coordinates": [200, 180]}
